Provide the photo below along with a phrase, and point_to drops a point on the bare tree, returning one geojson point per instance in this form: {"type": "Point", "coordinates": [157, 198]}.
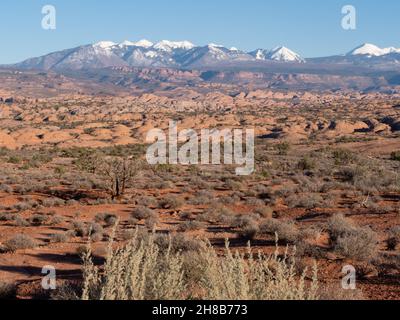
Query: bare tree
{"type": "Point", "coordinates": [119, 172]}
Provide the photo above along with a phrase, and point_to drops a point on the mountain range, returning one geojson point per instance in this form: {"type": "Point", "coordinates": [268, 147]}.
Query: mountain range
{"type": "Point", "coordinates": [148, 66]}
{"type": "Point", "coordinates": [170, 54]}
{"type": "Point", "coordinates": [186, 55]}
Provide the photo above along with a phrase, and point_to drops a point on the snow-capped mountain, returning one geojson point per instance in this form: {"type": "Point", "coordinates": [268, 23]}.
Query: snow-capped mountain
{"type": "Point", "coordinates": [169, 46]}
{"type": "Point", "coordinates": [277, 54]}
{"type": "Point", "coordinates": [104, 45]}
{"type": "Point", "coordinates": [184, 54]}
{"type": "Point", "coordinates": [142, 43]}
{"type": "Point", "coordinates": [212, 54]}
{"type": "Point", "coordinates": [98, 55]}
{"type": "Point", "coordinates": [366, 55]}
{"type": "Point", "coordinates": [372, 50]}
{"type": "Point", "coordinates": [144, 53]}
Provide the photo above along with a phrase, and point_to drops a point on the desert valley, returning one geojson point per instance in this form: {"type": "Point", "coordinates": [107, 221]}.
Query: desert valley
{"type": "Point", "coordinates": [325, 189]}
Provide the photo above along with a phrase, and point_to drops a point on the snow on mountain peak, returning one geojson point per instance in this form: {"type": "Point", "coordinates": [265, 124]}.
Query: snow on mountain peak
{"type": "Point", "coordinates": [142, 43]}
{"type": "Point", "coordinates": [104, 44]}
{"type": "Point", "coordinates": [166, 45]}
{"type": "Point", "coordinates": [165, 53]}
{"type": "Point", "coordinates": [277, 54]}
{"type": "Point", "coordinates": [219, 51]}
{"type": "Point", "coordinates": [259, 54]}
{"type": "Point", "coordinates": [284, 54]}
{"type": "Point", "coordinates": [213, 45]}
{"type": "Point", "coordinates": [371, 50]}
{"type": "Point", "coordinates": [104, 48]}
{"type": "Point", "coordinates": [367, 49]}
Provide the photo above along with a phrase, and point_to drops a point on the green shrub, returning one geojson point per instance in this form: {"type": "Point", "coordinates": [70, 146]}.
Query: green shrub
{"type": "Point", "coordinates": [283, 148]}
{"type": "Point", "coordinates": [343, 156]}
{"type": "Point", "coordinates": [14, 160]}
{"type": "Point", "coordinates": [306, 163]}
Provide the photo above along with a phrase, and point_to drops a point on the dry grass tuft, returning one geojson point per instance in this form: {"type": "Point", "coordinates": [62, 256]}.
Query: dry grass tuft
{"type": "Point", "coordinates": [142, 270]}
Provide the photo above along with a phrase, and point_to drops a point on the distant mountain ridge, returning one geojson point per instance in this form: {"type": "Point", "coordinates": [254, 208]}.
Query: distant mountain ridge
{"type": "Point", "coordinates": [144, 53]}
{"type": "Point", "coordinates": [371, 50]}
{"type": "Point", "coordinates": [186, 55]}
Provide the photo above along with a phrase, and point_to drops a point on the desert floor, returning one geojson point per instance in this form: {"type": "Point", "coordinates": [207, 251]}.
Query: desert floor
{"type": "Point", "coordinates": [324, 162]}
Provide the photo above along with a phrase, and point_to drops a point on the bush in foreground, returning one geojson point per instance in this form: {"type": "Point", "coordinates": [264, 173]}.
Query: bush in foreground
{"type": "Point", "coordinates": [142, 270]}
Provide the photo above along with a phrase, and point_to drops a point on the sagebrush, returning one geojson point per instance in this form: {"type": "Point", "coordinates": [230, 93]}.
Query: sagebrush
{"type": "Point", "coordinates": [142, 270]}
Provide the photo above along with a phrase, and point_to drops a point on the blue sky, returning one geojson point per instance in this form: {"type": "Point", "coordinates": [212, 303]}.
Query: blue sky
{"type": "Point", "coordinates": [309, 27]}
